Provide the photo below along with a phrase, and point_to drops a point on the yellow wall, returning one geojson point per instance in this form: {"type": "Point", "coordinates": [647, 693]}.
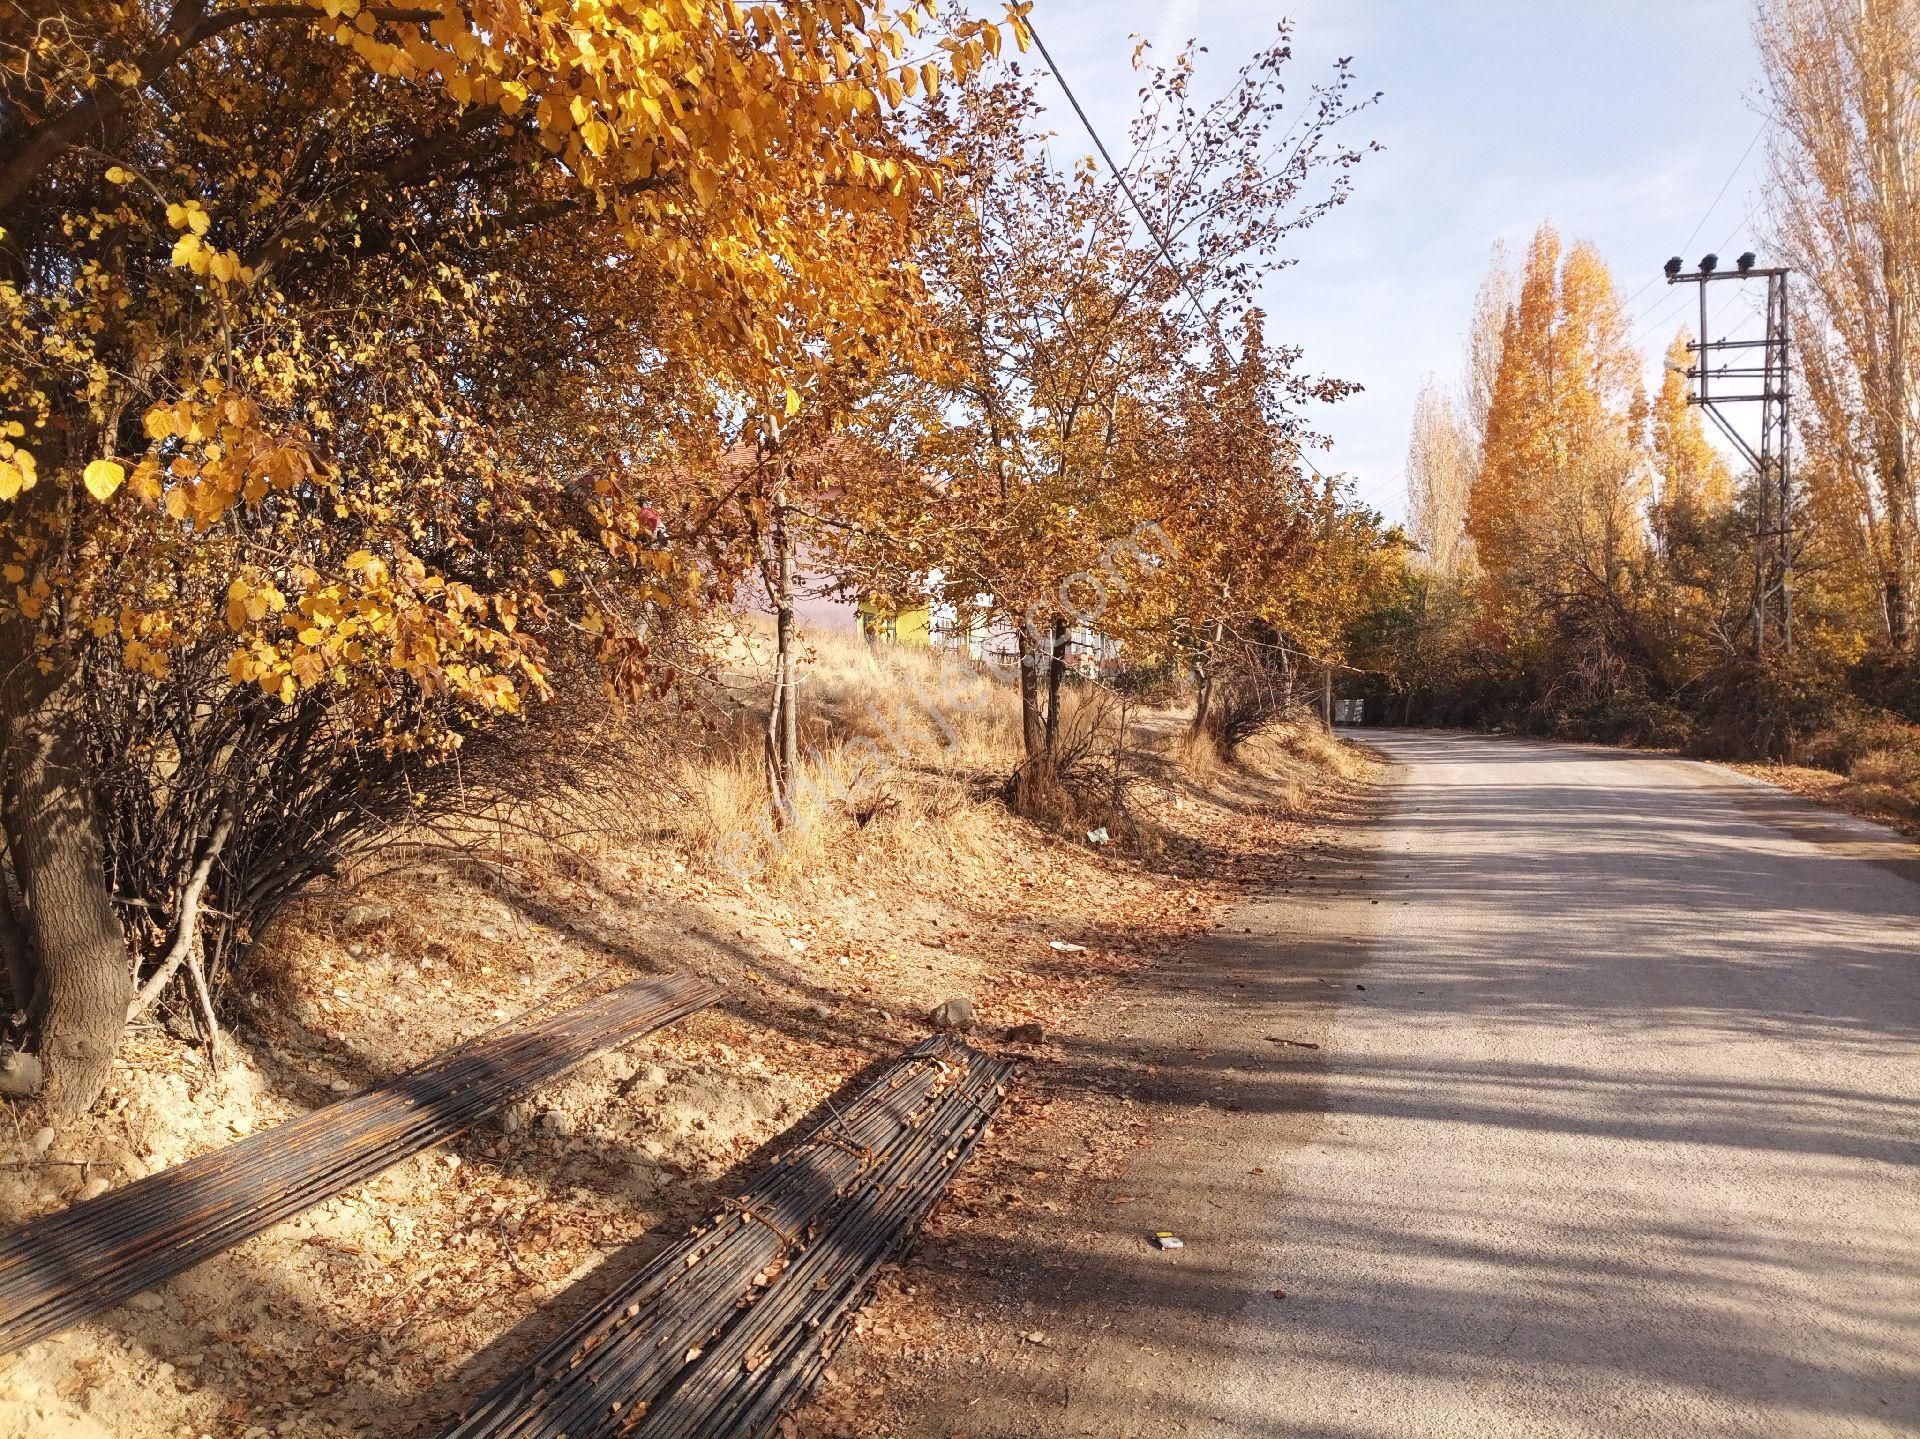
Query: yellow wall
{"type": "Point", "coordinates": [911, 626]}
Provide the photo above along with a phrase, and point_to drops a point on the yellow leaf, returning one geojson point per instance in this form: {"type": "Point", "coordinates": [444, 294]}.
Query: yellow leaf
{"type": "Point", "coordinates": [186, 250]}
{"type": "Point", "coordinates": [793, 400]}
{"type": "Point", "coordinates": [146, 480]}
{"type": "Point", "coordinates": [103, 477]}
{"type": "Point", "coordinates": [559, 577]}
{"type": "Point", "coordinates": [117, 176]}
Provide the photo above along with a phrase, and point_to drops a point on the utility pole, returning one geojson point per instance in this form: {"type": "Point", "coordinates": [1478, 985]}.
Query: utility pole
{"type": "Point", "coordinates": [1772, 459]}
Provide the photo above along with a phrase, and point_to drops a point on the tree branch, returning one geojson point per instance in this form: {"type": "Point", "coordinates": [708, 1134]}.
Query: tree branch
{"type": "Point", "coordinates": [188, 929]}
{"type": "Point", "coordinates": [189, 26]}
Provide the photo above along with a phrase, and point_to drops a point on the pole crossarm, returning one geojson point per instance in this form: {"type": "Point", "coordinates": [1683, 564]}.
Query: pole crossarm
{"type": "Point", "coordinates": [1771, 458]}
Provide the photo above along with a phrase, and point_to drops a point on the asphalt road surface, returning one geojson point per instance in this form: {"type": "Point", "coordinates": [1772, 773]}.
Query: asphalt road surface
{"type": "Point", "coordinates": [1612, 1130]}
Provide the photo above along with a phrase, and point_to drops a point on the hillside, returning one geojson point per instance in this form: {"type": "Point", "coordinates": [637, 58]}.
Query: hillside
{"type": "Point", "coordinates": [382, 1311]}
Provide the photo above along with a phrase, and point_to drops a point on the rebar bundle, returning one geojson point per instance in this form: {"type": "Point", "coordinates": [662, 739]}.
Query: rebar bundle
{"type": "Point", "coordinates": [722, 1332]}
{"type": "Point", "coordinates": [57, 1270]}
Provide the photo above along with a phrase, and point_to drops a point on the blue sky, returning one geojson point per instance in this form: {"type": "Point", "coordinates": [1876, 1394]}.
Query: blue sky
{"type": "Point", "coordinates": [1618, 119]}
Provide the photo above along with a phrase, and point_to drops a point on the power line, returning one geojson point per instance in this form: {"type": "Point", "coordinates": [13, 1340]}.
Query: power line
{"type": "Point", "coordinates": [1166, 253]}
{"type": "Point", "coordinates": [1721, 195]}
{"type": "Point", "coordinates": [1120, 178]}
{"type": "Point", "coordinates": [1672, 311]}
{"type": "Point", "coordinates": [1745, 219]}
{"type": "Point", "coordinates": [1764, 121]}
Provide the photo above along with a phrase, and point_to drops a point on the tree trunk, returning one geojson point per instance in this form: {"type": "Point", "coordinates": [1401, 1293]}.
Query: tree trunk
{"type": "Point", "coordinates": [16, 954]}
{"type": "Point", "coordinates": [1891, 153]}
{"type": "Point", "coordinates": [56, 841]}
{"type": "Point", "coordinates": [1056, 673]}
{"type": "Point", "coordinates": [783, 718]}
{"type": "Point", "coordinates": [1203, 664]}
{"type": "Point", "coordinates": [1034, 784]}
{"type": "Point", "coordinates": [1902, 529]}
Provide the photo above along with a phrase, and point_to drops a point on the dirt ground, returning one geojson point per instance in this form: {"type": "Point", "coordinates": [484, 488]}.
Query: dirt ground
{"type": "Point", "coordinates": [982, 1331]}
{"type": "Point", "coordinates": [1881, 803]}
{"type": "Point", "coordinates": [384, 1311]}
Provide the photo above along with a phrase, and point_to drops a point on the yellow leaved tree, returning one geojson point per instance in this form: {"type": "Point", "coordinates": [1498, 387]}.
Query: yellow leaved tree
{"type": "Point", "coordinates": [344, 348]}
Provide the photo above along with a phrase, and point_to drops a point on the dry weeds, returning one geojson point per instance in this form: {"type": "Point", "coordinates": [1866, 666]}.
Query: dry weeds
{"type": "Point", "coordinates": [903, 881]}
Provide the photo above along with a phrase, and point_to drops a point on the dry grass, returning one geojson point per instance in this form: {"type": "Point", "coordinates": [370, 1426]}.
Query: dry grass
{"type": "Point", "coordinates": [1292, 760]}
{"type": "Point", "coordinates": [903, 753]}
{"type": "Point", "coordinates": [1868, 764]}
{"type": "Point", "coordinates": [904, 881]}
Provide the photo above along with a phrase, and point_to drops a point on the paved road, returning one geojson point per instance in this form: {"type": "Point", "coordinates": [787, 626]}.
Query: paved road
{"type": "Point", "coordinates": [1614, 1130]}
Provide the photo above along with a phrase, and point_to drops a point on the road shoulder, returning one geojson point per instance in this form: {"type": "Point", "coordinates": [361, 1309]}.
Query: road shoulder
{"type": "Point", "coordinates": [1036, 1304]}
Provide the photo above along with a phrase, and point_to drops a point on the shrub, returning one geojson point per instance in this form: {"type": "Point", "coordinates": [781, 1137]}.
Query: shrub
{"type": "Point", "coordinates": [1769, 709]}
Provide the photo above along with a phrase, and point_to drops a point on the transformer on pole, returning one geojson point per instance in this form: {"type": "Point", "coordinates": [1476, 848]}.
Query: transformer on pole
{"type": "Point", "coordinates": [1739, 377]}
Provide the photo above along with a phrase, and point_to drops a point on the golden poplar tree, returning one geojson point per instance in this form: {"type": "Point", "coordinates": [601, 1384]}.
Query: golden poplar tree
{"type": "Point", "coordinates": [1844, 80]}
{"type": "Point", "coordinates": [1557, 502]}
{"type": "Point", "coordinates": [1692, 477]}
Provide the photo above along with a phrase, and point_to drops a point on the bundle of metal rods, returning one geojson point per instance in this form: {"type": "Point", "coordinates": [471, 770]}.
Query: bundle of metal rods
{"type": "Point", "coordinates": [739, 1386]}
{"type": "Point", "coordinates": [59, 1269]}
{"type": "Point", "coordinates": [900, 1138]}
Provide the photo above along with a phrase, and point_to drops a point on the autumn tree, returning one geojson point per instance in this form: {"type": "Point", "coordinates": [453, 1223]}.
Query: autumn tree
{"type": "Point", "coordinates": [1486, 341]}
{"type": "Point", "coordinates": [1555, 507]}
{"type": "Point", "coordinates": [1843, 77]}
{"type": "Point", "coordinates": [1440, 470]}
{"type": "Point", "coordinates": [338, 340]}
{"type": "Point", "coordinates": [1070, 327]}
{"type": "Point", "coordinates": [1260, 575]}
{"type": "Point", "coordinates": [1692, 479]}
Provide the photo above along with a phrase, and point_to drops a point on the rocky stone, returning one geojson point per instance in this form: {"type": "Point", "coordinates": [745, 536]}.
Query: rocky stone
{"type": "Point", "coordinates": [552, 1121]}
{"type": "Point", "coordinates": [514, 1118]}
{"type": "Point", "coordinates": [42, 1140]}
{"type": "Point", "coordinates": [147, 1302]}
{"type": "Point", "coordinates": [365, 916]}
{"type": "Point", "coordinates": [339, 1086]}
{"type": "Point", "coordinates": [92, 1189]}
{"type": "Point", "coordinates": [655, 1076]}
{"type": "Point", "coordinates": [955, 1014]}
{"type": "Point", "coordinates": [1026, 1034]}
{"type": "Point", "coordinates": [20, 1075]}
